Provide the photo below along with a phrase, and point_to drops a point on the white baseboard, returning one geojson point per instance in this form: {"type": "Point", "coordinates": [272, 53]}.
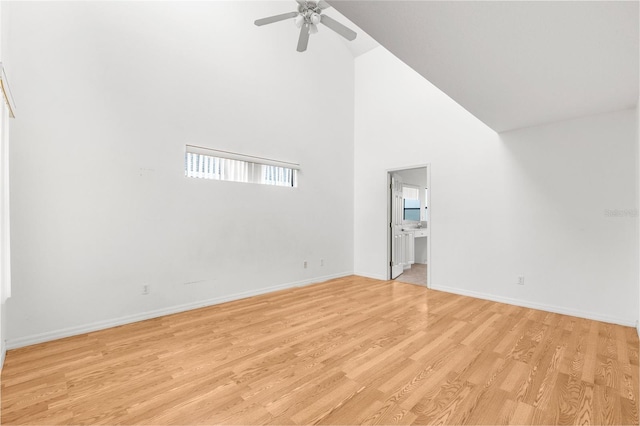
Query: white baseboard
{"type": "Point", "coordinates": [638, 327]}
{"type": "Point", "coordinates": [373, 276]}
{"type": "Point", "coordinates": [538, 306]}
{"type": "Point", "coordinates": [101, 325]}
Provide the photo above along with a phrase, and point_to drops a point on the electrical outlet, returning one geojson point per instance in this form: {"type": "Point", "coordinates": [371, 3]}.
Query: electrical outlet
{"type": "Point", "coordinates": [521, 280]}
{"type": "Point", "coordinates": [146, 288]}
{"type": "Point", "coordinates": [304, 264]}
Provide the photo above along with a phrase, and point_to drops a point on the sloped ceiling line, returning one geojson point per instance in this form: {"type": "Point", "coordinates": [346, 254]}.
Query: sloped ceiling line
{"type": "Point", "coordinates": [514, 64]}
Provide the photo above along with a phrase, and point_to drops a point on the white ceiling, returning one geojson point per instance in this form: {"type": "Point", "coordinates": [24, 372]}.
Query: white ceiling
{"type": "Point", "coordinates": [363, 42]}
{"type": "Point", "coordinates": [514, 64]}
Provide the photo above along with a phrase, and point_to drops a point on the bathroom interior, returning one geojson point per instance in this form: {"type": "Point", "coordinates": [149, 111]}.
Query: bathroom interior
{"type": "Point", "coordinates": [410, 230]}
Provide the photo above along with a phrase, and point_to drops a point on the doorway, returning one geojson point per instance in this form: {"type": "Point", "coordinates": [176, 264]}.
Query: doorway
{"type": "Point", "coordinates": [409, 225]}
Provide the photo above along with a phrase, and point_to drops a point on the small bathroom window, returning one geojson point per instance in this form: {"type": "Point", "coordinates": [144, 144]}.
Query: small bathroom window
{"type": "Point", "coordinates": [411, 203]}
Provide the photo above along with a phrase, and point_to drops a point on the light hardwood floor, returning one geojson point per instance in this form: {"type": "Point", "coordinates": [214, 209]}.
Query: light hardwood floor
{"type": "Point", "coordinates": [348, 351]}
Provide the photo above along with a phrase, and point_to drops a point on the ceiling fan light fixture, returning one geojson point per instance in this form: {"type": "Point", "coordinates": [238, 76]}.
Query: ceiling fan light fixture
{"type": "Point", "coordinates": [307, 18]}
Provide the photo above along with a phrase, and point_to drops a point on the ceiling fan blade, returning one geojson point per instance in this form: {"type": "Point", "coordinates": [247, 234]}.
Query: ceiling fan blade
{"type": "Point", "coordinates": [323, 5]}
{"type": "Point", "coordinates": [303, 41]}
{"type": "Point", "coordinates": [338, 27]}
{"type": "Point", "coordinates": [276, 18]}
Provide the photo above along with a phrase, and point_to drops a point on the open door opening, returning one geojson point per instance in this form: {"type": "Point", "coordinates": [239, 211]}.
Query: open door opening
{"type": "Point", "coordinates": [409, 232]}
{"type": "Point", "coordinates": [397, 243]}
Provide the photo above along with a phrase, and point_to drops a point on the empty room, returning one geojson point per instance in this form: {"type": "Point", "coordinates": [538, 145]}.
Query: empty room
{"type": "Point", "coordinates": [319, 212]}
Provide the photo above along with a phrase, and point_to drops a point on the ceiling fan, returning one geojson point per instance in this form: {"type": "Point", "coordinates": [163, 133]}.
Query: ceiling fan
{"type": "Point", "coordinates": [307, 18]}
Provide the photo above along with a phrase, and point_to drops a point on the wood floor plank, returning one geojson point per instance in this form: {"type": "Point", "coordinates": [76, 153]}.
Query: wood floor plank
{"type": "Point", "coordinates": [522, 414]}
{"type": "Point", "coordinates": [347, 351]}
{"type": "Point", "coordinates": [389, 414]}
{"type": "Point", "coordinates": [352, 410]}
{"type": "Point", "coordinates": [589, 367]}
{"type": "Point", "coordinates": [607, 407]}
{"type": "Point", "coordinates": [440, 408]}
{"type": "Point", "coordinates": [564, 402]}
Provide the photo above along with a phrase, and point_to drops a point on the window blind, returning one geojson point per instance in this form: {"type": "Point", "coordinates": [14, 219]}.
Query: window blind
{"type": "Point", "coordinates": [207, 163]}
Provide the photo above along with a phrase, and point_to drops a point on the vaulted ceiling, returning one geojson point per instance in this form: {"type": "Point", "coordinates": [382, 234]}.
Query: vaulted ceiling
{"type": "Point", "coordinates": [514, 64]}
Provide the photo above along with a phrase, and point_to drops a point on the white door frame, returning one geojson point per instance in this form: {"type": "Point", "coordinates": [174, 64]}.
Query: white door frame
{"type": "Point", "coordinates": [429, 224]}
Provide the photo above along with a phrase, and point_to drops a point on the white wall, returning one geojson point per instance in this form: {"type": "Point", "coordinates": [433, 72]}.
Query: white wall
{"type": "Point", "coordinates": [109, 95]}
{"type": "Point", "coordinates": [529, 202]}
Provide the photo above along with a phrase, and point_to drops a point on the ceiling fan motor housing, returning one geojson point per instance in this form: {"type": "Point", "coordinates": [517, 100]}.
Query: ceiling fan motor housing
{"type": "Point", "coordinates": [310, 12]}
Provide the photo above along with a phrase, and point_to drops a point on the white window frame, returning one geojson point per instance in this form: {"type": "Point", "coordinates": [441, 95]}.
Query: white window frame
{"type": "Point", "coordinates": [208, 163]}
